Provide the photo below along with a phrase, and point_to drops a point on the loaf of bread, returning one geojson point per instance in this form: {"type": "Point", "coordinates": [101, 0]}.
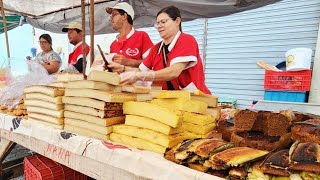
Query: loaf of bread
{"type": "Point", "coordinates": [258, 140]}
{"type": "Point", "coordinates": [245, 119]}
{"type": "Point", "coordinates": [276, 124]}
{"type": "Point", "coordinates": [225, 128]}
{"type": "Point", "coordinates": [307, 131]}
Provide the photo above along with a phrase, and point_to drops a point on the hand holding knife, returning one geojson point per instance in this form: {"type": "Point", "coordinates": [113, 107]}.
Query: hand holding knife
{"type": "Point", "coordinates": [105, 60]}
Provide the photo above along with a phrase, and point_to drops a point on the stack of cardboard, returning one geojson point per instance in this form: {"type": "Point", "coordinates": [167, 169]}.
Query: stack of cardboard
{"type": "Point", "coordinates": [93, 106]}
{"type": "Point", "coordinates": [44, 105]}
{"type": "Point", "coordinates": [197, 117]}
{"type": "Point", "coordinates": [150, 127]}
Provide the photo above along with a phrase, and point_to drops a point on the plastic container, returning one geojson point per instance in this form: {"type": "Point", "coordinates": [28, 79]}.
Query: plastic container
{"type": "Point", "coordinates": [287, 80]}
{"type": "Point", "coordinates": [298, 59]}
{"type": "Point", "coordinates": [288, 96]}
{"type": "Point", "coordinates": [38, 167]}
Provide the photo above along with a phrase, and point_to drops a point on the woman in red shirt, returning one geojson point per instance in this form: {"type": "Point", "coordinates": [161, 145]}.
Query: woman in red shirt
{"type": "Point", "coordinates": [174, 62]}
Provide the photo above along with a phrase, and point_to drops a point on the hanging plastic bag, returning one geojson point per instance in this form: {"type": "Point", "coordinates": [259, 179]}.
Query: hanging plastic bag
{"type": "Point", "coordinates": [13, 93]}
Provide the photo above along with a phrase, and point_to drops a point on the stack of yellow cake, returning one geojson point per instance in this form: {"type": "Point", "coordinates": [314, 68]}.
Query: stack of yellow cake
{"type": "Point", "coordinates": [197, 117]}
{"type": "Point", "coordinates": [64, 78]}
{"type": "Point", "coordinates": [44, 105]}
{"type": "Point", "coordinates": [93, 106]}
{"type": "Point", "coordinates": [151, 126]}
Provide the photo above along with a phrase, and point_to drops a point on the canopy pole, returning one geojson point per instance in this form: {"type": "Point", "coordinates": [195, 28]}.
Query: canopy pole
{"type": "Point", "coordinates": [314, 96]}
{"type": "Point", "coordinates": [91, 31]}
{"type": "Point", "coordinates": [5, 30]}
{"type": "Point", "coordinates": [83, 15]}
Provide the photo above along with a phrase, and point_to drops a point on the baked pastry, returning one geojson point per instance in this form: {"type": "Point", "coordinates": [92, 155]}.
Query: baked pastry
{"type": "Point", "coordinates": [307, 131]}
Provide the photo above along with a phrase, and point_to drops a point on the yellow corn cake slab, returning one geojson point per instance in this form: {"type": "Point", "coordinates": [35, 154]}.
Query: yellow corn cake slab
{"type": "Point", "coordinates": [48, 90]}
{"type": "Point", "coordinates": [49, 119]}
{"type": "Point", "coordinates": [86, 84]}
{"type": "Point", "coordinates": [49, 112]}
{"type": "Point", "coordinates": [155, 92]}
{"type": "Point", "coordinates": [136, 89]}
{"type": "Point", "coordinates": [199, 119]}
{"type": "Point", "coordinates": [151, 124]}
{"type": "Point", "coordinates": [93, 119]}
{"type": "Point", "coordinates": [58, 84]}
{"type": "Point", "coordinates": [104, 76]}
{"type": "Point", "coordinates": [182, 105]}
{"type": "Point", "coordinates": [152, 111]}
{"type": "Point", "coordinates": [143, 97]}
{"type": "Point", "coordinates": [43, 104]}
{"type": "Point", "coordinates": [44, 97]}
{"type": "Point", "coordinates": [194, 128]}
{"type": "Point", "coordinates": [66, 77]}
{"type": "Point", "coordinates": [85, 132]}
{"type": "Point", "coordinates": [100, 95]}
{"type": "Point", "coordinates": [150, 135]}
{"type": "Point", "coordinates": [89, 126]}
{"type": "Point", "coordinates": [93, 111]}
{"type": "Point", "coordinates": [211, 100]}
{"type": "Point", "coordinates": [174, 94]}
{"type": "Point", "coordinates": [137, 143]}
{"type": "Point", "coordinates": [214, 112]}
{"type": "Point", "coordinates": [38, 121]}
{"type": "Point", "coordinates": [88, 102]}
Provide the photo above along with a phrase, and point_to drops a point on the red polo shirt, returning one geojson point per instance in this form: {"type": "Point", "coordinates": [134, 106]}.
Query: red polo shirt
{"type": "Point", "coordinates": [77, 53]}
{"type": "Point", "coordinates": [136, 45]}
{"type": "Point", "coordinates": [183, 48]}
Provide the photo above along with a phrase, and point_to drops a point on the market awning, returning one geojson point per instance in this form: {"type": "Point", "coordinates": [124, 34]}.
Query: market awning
{"type": "Point", "coordinates": [53, 15]}
{"type": "Point", "coordinates": [12, 22]}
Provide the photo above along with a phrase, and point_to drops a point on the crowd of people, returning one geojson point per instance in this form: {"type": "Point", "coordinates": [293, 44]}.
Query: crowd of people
{"type": "Point", "coordinates": [174, 63]}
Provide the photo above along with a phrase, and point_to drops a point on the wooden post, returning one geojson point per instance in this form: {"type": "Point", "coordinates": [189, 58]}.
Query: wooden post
{"type": "Point", "coordinates": [83, 15]}
{"type": "Point", "coordinates": [91, 32]}
{"type": "Point", "coordinates": [5, 30]}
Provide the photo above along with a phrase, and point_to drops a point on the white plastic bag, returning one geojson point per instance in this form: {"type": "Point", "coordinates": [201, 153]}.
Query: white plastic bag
{"type": "Point", "coordinates": [13, 93]}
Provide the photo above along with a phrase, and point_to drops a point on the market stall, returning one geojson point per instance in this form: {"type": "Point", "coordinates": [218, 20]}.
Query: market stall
{"type": "Point", "coordinates": [102, 159]}
{"type": "Point", "coordinates": [95, 158]}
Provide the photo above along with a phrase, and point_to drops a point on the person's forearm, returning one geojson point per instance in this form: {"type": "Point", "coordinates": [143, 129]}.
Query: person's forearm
{"type": "Point", "coordinates": [133, 62]}
{"type": "Point", "coordinates": [166, 74]}
{"type": "Point", "coordinates": [51, 68]}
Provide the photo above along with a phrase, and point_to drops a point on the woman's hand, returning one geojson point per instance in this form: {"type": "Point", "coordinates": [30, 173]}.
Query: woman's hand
{"type": "Point", "coordinates": [131, 77]}
{"type": "Point", "coordinates": [116, 67]}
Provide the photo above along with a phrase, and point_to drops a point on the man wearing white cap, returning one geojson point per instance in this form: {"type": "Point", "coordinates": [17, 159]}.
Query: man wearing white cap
{"type": "Point", "coordinates": [75, 37]}
{"type": "Point", "coordinates": [131, 46]}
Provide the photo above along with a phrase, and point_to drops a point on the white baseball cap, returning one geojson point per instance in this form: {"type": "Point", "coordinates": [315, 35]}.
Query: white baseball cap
{"type": "Point", "coordinates": [73, 25]}
{"type": "Point", "coordinates": [123, 6]}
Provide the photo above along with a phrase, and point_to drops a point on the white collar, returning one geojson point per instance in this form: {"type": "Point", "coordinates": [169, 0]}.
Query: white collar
{"type": "Point", "coordinates": [129, 34]}
{"type": "Point", "coordinates": [172, 44]}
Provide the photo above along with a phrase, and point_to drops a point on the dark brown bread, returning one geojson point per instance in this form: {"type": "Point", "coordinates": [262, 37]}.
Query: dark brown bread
{"type": "Point", "coordinates": [261, 118]}
{"type": "Point", "coordinates": [301, 117]}
{"type": "Point", "coordinates": [225, 128]}
{"type": "Point", "coordinates": [258, 140]}
{"type": "Point", "coordinates": [307, 131]}
{"type": "Point", "coordinates": [244, 120]}
{"type": "Point", "coordinates": [276, 125]}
